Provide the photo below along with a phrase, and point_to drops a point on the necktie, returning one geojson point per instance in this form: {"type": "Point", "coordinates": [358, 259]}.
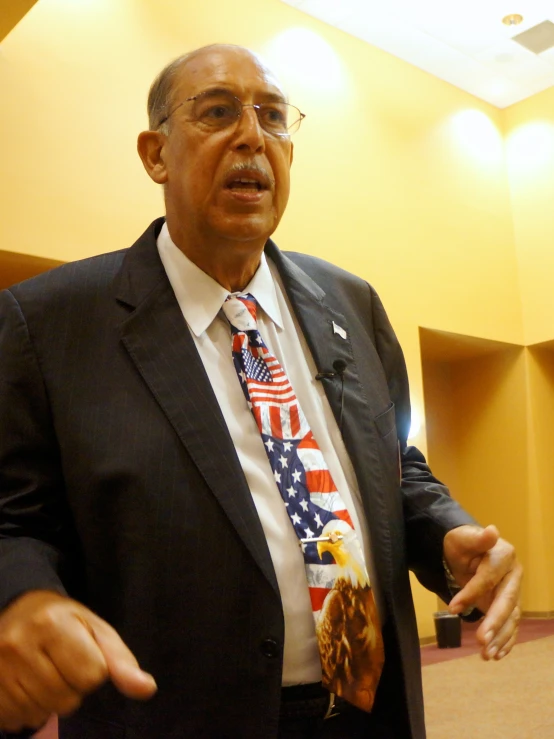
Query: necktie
{"type": "Point", "coordinates": [346, 620]}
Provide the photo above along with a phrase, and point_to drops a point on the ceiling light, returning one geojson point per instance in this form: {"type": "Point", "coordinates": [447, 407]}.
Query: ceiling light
{"type": "Point", "coordinates": [512, 20]}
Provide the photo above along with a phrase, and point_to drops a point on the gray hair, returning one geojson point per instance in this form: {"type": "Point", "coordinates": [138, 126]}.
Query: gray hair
{"type": "Point", "coordinates": [159, 96]}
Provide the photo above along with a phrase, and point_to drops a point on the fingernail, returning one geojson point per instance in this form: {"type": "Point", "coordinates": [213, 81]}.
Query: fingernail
{"type": "Point", "coordinates": [488, 637]}
{"type": "Point", "coordinates": [491, 651]}
{"type": "Point", "coordinates": [501, 654]}
{"type": "Point", "coordinates": [147, 677]}
{"type": "Point", "coordinates": [455, 609]}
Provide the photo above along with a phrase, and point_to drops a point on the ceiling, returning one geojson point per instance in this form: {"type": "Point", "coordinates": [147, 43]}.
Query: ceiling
{"type": "Point", "coordinates": [465, 43]}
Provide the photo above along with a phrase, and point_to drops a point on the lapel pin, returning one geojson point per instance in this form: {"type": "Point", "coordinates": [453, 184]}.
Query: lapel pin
{"type": "Point", "coordinates": [339, 330]}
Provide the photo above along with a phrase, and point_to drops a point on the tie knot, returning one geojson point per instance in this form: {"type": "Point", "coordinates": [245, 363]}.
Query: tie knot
{"type": "Point", "coordinates": [240, 311]}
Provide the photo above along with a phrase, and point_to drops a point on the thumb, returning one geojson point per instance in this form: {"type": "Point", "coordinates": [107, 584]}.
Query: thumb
{"type": "Point", "coordinates": [481, 540]}
{"type": "Point", "coordinates": [477, 542]}
{"type": "Point", "coordinates": [123, 668]}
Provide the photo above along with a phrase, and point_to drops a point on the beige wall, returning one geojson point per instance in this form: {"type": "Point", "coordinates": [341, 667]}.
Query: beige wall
{"type": "Point", "coordinates": [529, 128]}
{"type": "Point", "coordinates": [11, 12]}
{"type": "Point", "coordinates": [398, 176]}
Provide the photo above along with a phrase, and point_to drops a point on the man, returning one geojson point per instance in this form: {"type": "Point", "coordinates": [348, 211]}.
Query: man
{"type": "Point", "coordinates": [142, 516]}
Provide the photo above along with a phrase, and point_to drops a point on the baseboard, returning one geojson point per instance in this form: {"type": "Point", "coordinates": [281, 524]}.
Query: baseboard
{"type": "Point", "coordinates": [537, 614]}
{"type": "Point", "coordinates": [425, 640]}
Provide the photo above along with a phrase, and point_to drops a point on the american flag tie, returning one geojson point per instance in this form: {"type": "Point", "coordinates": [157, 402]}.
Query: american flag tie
{"type": "Point", "coordinates": [346, 619]}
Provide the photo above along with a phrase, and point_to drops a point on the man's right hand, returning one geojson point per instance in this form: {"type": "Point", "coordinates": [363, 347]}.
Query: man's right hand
{"type": "Point", "coordinates": [53, 651]}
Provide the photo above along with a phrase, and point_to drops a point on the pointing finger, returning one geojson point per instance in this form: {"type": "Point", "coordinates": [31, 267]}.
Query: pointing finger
{"type": "Point", "coordinates": [123, 668]}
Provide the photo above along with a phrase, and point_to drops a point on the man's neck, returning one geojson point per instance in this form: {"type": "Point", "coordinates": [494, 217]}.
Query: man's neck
{"type": "Point", "coordinates": [230, 263]}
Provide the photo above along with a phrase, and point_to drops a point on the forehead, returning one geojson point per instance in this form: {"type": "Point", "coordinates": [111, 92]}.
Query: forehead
{"type": "Point", "coordinates": [236, 69]}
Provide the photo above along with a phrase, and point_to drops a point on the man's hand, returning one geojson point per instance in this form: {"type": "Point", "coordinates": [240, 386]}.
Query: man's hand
{"type": "Point", "coordinates": [486, 568]}
{"type": "Point", "coordinates": [53, 651]}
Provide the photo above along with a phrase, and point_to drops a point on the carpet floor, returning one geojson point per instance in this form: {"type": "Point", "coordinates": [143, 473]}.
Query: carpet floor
{"type": "Point", "coordinates": [511, 699]}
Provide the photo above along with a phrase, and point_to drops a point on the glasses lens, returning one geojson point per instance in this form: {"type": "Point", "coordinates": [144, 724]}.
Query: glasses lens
{"type": "Point", "coordinates": [273, 117]}
{"type": "Point", "coordinates": [280, 119]}
{"type": "Point", "coordinates": [216, 109]}
{"type": "Point", "coordinates": [295, 119]}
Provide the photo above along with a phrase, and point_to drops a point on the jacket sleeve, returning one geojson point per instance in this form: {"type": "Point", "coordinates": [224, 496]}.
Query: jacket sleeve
{"type": "Point", "coordinates": [34, 518]}
{"type": "Point", "coordinates": [429, 510]}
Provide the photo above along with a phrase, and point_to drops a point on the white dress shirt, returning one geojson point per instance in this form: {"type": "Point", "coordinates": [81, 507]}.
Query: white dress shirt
{"type": "Point", "coordinates": [200, 298]}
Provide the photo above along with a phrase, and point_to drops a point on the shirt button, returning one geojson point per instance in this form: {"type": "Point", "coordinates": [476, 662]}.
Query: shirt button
{"type": "Point", "coordinates": [270, 648]}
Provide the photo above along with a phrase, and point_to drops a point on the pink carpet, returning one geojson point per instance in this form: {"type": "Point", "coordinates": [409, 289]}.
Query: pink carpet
{"type": "Point", "coordinates": [529, 629]}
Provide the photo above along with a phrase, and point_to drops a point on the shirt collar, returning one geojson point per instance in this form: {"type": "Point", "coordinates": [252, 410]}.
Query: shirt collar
{"type": "Point", "coordinates": [201, 297]}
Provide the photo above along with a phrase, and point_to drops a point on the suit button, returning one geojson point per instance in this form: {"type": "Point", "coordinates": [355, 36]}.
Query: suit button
{"type": "Point", "coordinates": [269, 648]}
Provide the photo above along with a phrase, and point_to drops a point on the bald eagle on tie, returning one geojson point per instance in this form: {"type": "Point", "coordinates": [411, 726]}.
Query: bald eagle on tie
{"type": "Point", "coordinates": [348, 633]}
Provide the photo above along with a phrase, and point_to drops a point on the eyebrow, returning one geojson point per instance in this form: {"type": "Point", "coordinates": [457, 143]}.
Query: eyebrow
{"type": "Point", "coordinates": [266, 97]}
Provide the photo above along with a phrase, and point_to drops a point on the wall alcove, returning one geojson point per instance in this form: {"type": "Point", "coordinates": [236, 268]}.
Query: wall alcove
{"type": "Point", "coordinates": [475, 397]}
{"type": "Point", "coordinates": [16, 267]}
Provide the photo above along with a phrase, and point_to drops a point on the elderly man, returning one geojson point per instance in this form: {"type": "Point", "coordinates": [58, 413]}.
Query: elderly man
{"type": "Point", "coordinates": [204, 469]}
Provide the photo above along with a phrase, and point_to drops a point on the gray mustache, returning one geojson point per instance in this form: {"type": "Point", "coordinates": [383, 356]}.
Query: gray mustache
{"type": "Point", "coordinates": [252, 167]}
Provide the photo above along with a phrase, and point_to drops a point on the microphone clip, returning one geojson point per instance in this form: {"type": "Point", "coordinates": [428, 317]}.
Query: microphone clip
{"type": "Point", "coordinates": [339, 367]}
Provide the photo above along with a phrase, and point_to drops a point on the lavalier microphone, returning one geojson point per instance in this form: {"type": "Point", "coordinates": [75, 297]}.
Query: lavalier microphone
{"type": "Point", "coordinates": [339, 366]}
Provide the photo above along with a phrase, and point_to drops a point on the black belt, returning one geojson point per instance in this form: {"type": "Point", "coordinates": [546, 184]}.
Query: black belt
{"type": "Point", "coordinates": [310, 701]}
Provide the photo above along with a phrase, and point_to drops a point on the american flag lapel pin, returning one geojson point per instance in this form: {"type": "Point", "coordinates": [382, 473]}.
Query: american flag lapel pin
{"type": "Point", "coordinates": [339, 330]}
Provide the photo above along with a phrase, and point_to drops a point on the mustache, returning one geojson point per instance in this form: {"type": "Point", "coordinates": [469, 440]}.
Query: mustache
{"type": "Point", "coordinates": [252, 167]}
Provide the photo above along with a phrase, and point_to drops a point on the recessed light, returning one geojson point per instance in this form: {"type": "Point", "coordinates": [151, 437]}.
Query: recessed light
{"type": "Point", "coordinates": [512, 20]}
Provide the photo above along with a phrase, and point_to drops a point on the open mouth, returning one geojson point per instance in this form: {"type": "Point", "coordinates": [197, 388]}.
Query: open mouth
{"type": "Point", "coordinates": [245, 184]}
{"type": "Point", "coordinates": [247, 181]}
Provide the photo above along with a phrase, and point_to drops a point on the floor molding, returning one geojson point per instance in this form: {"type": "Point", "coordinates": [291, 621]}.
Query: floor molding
{"type": "Point", "coordinates": [425, 640]}
{"type": "Point", "coordinates": [537, 614]}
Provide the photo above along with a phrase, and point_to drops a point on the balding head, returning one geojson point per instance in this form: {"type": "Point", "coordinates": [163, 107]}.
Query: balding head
{"type": "Point", "coordinates": [160, 96]}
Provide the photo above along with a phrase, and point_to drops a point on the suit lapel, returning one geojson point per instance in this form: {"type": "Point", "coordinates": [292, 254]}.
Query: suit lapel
{"type": "Point", "coordinates": [324, 330]}
{"type": "Point", "coordinates": [163, 351]}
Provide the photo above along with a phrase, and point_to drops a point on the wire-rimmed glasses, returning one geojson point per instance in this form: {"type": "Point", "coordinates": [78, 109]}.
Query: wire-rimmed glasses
{"type": "Point", "coordinates": [219, 109]}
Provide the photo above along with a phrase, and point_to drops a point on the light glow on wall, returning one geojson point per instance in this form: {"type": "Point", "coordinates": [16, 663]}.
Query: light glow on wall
{"type": "Point", "coordinates": [530, 148]}
{"type": "Point", "coordinates": [302, 55]}
{"type": "Point", "coordinates": [478, 136]}
{"type": "Point", "coordinates": [416, 424]}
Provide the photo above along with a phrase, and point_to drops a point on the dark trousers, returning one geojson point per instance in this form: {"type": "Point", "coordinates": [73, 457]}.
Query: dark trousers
{"type": "Point", "coordinates": [388, 720]}
{"type": "Point", "coordinates": [351, 724]}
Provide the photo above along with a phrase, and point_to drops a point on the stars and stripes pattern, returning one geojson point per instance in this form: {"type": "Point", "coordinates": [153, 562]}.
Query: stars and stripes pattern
{"type": "Point", "coordinates": [301, 474]}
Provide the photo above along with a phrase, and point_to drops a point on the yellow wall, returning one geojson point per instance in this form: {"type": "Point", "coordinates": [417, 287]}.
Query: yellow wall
{"type": "Point", "coordinates": [477, 435]}
{"type": "Point", "coordinates": [398, 176]}
{"type": "Point", "coordinates": [529, 130]}
{"type": "Point", "coordinates": [11, 12]}
{"type": "Point", "coordinates": [539, 580]}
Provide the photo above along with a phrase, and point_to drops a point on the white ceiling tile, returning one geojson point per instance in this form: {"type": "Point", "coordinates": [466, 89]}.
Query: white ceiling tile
{"type": "Point", "coordinates": [515, 62]}
{"type": "Point", "coordinates": [547, 57]}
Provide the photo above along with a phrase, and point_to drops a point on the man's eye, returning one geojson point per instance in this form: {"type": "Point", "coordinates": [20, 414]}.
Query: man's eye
{"type": "Point", "coordinates": [218, 112]}
{"type": "Point", "coordinates": [275, 117]}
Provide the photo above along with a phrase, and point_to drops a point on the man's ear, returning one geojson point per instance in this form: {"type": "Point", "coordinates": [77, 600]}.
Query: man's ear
{"type": "Point", "coordinates": [150, 146]}
{"type": "Point", "coordinates": [291, 152]}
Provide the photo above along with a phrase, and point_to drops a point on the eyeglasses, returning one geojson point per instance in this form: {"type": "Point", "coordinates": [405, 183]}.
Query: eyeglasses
{"type": "Point", "coordinates": [219, 109]}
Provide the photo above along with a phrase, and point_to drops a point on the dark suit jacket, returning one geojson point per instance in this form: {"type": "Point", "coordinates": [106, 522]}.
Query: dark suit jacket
{"type": "Point", "coordinates": [120, 485]}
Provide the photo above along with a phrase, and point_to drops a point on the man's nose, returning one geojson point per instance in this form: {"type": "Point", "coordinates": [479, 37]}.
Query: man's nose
{"type": "Point", "coordinates": [249, 134]}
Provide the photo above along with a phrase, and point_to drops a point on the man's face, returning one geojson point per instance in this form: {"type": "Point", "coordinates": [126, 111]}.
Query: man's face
{"type": "Point", "coordinates": [204, 189]}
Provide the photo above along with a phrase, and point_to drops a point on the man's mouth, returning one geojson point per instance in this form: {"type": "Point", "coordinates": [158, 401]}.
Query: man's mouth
{"type": "Point", "coordinates": [247, 181]}
{"type": "Point", "coordinates": [245, 184]}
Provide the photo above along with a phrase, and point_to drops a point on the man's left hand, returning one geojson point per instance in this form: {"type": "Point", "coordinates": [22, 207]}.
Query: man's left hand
{"type": "Point", "coordinates": [486, 568]}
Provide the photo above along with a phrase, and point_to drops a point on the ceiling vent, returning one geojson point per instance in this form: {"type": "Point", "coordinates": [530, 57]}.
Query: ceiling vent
{"type": "Point", "coordinates": [537, 39]}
